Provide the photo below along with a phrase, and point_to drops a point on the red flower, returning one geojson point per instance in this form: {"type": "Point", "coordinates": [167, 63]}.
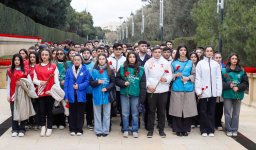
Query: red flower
{"type": "Point", "coordinates": [166, 71]}
{"type": "Point", "coordinates": [202, 89]}
{"type": "Point", "coordinates": [67, 105]}
{"type": "Point", "coordinates": [110, 63]}
{"type": "Point", "coordinates": [177, 68]}
{"type": "Point", "coordinates": [101, 71]}
{"type": "Point", "coordinates": [226, 75]}
{"type": "Point", "coordinates": [126, 74]}
{"type": "Point", "coordinates": [206, 87]}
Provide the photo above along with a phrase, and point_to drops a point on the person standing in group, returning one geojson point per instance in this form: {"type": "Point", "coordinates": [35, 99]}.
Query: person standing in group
{"type": "Point", "coordinates": [30, 68]}
{"type": "Point", "coordinates": [115, 61]}
{"type": "Point", "coordinates": [235, 82]}
{"type": "Point", "coordinates": [88, 62]}
{"type": "Point", "coordinates": [14, 74]}
{"type": "Point", "coordinates": [76, 81]}
{"type": "Point", "coordinates": [24, 54]}
{"type": "Point", "coordinates": [132, 81]}
{"type": "Point", "coordinates": [220, 101]}
{"type": "Point", "coordinates": [45, 76]}
{"type": "Point", "coordinates": [62, 64]}
{"type": "Point", "coordinates": [102, 82]}
{"type": "Point", "coordinates": [208, 87]}
{"type": "Point", "coordinates": [183, 102]}
{"type": "Point", "coordinates": [143, 58]}
{"type": "Point", "coordinates": [158, 77]}
{"type": "Point", "coordinates": [195, 120]}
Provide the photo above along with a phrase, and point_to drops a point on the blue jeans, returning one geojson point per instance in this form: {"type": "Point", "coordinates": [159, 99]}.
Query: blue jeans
{"type": "Point", "coordinates": [102, 118]}
{"type": "Point", "coordinates": [127, 104]}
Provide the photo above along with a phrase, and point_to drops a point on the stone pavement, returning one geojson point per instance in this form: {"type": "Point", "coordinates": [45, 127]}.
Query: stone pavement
{"type": "Point", "coordinates": [61, 140]}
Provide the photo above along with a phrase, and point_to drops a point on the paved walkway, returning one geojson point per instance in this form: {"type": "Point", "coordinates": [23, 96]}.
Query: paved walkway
{"type": "Point", "coordinates": [61, 140]}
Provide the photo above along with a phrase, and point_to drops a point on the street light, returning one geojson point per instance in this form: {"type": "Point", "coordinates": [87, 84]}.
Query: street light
{"type": "Point", "coordinates": [123, 26]}
{"type": "Point", "coordinates": [132, 15]}
{"type": "Point", "coordinates": [161, 23]}
{"type": "Point", "coordinates": [220, 6]}
{"type": "Point", "coordinates": [142, 20]}
{"type": "Point", "coordinates": [120, 18]}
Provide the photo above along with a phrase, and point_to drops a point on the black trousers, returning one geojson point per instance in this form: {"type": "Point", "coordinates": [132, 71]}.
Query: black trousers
{"type": "Point", "coordinates": [218, 114]}
{"type": "Point", "coordinates": [156, 103]}
{"type": "Point", "coordinates": [196, 120]}
{"type": "Point", "coordinates": [35, 120]}
{"type": "Point", "coordinates": [89, 109]}
{"type": "Point", "coordinates": [59, 120]}
{"type": "Point", "coordinates": [16, 125]}
{"type": "Point", "coordinates": [76, 116]}
{"type": "Point", "coordinates": [180, 124]}
{"type": "Point", "coordinates": [168, 117]}
{"type": "Point", "coordinates": [207, 114]}
{"type": "Point", "coordinates": [46, 104]}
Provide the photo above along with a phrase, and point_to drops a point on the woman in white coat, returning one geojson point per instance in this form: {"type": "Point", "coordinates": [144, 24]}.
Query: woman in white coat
{"type": "Point", "coordinates": [208, 86]}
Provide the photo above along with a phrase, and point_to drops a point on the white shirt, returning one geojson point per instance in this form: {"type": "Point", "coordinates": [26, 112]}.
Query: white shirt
{"type": "Point", "coordinates": [154, 70]}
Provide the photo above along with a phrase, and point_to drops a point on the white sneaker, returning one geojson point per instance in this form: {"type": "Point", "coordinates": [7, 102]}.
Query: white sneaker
{"type": "Point", "coordinates": [72, 133]}
{"type": "Point", "coordinates": [14, 134]}
{"type": "Point", "coordinates": [204, 135]}
{"type": "Point", "coordinates": [54, 127]}
{"type": "Point", "coordinates": [125, 134]}
{"type": "Point", "coordinates": [229, 134]}
{"type": "Point", "coordinates": [135, 134]}
{"type": "Point", "coordinates": [234, 134]}
{"type": "Point", "coordinates": [48, 132]}
{"type": "Point", "coordinates": [193, 126]}
{"type": "Point", "coordinates": [211, 135]}
{"type": "Point", "coordinates": [21, 134]}
{"type": "Point", "coordinates": [219, 128]}
{"type": "Point", "coordinates": [79, 133]}
{"type": "Point", "coordinates": [61, 127]}
{"type": "Point", "coordinates": [43, 130]}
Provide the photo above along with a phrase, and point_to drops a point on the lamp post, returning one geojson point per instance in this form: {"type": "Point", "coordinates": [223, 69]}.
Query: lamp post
{"type": "Point", "coordinates": [142, 20]}
{"type": "Point", "coordinates": [220, 9]}
{"type": "Point", "coordinates": [120, 18]}
{"type": "Point", "coordinates": [132, 15]}
{"type": "Point", "coordinates": [161, 23]}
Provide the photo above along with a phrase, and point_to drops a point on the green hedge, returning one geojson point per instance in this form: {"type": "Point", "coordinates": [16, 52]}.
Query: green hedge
{"type": "Point", "coordinates": [14, 22]}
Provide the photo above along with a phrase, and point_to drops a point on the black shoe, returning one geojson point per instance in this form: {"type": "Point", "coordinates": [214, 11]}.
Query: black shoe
{"type": "Point", "coordinates": [98, 135]}
{"type": "Point", "coordinates": [184, 133]}
{"type": "Point", "coordinates": [178, 133]}
{"type": "Point", "coordinates": [104, 135]}
{"type": "Point", "coordinates": [162, 134]}
{"type": "Point", "coordinates": [150, 134]}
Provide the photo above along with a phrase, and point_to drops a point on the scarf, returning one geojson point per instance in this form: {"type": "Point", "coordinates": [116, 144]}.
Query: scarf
{"type": "Point", "coordinates": [76, 71]}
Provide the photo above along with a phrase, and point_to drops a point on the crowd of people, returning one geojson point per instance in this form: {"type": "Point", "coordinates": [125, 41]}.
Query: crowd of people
{"type": "Point", "coordinates": [63, 85]}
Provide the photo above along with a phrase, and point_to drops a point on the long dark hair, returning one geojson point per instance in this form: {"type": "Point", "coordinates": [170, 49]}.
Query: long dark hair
{"type": "Point", "coordinates": [177, 56]}
{"type": "Point", "coordinates": [197, 57]}
{"type": "Point", "coordinates": [21, 63]}
{"type": "Point", "coordinates": [25, 51]}
{"type": "Point", "coordinates": [136, 65]}
{"type": "Point", "coordinates": [108, 67]}
{"type": "Point", "coordinates": [229, 60]}
{"type": "Point", "coordinates": [37, 58]}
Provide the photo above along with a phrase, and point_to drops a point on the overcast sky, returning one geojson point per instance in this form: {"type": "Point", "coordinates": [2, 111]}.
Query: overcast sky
{"type": "Point", "coordinates": [105, 11]}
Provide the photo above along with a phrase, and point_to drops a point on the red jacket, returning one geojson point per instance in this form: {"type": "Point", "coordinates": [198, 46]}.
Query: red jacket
{"type": "Point", "coordinates": [14, 77]}
{"type": "Point", "coordinates": [45, 73]}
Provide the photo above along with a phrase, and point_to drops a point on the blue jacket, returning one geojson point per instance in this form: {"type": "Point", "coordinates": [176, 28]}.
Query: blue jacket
{"type": "Point", "coordinates": [89, 67]}
{"type": "Point", "coordinates": [99, 97]}
{"type": "Point", "coordinates": [185, 68]}
{"type": "Point", "coordinates": [82, 80]}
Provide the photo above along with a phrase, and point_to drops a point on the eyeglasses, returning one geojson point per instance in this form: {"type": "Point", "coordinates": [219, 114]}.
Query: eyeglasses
{"type": "Point", "coordinates": [118, 49]}
{"type": "Point", "coordinates": [60, 54]}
